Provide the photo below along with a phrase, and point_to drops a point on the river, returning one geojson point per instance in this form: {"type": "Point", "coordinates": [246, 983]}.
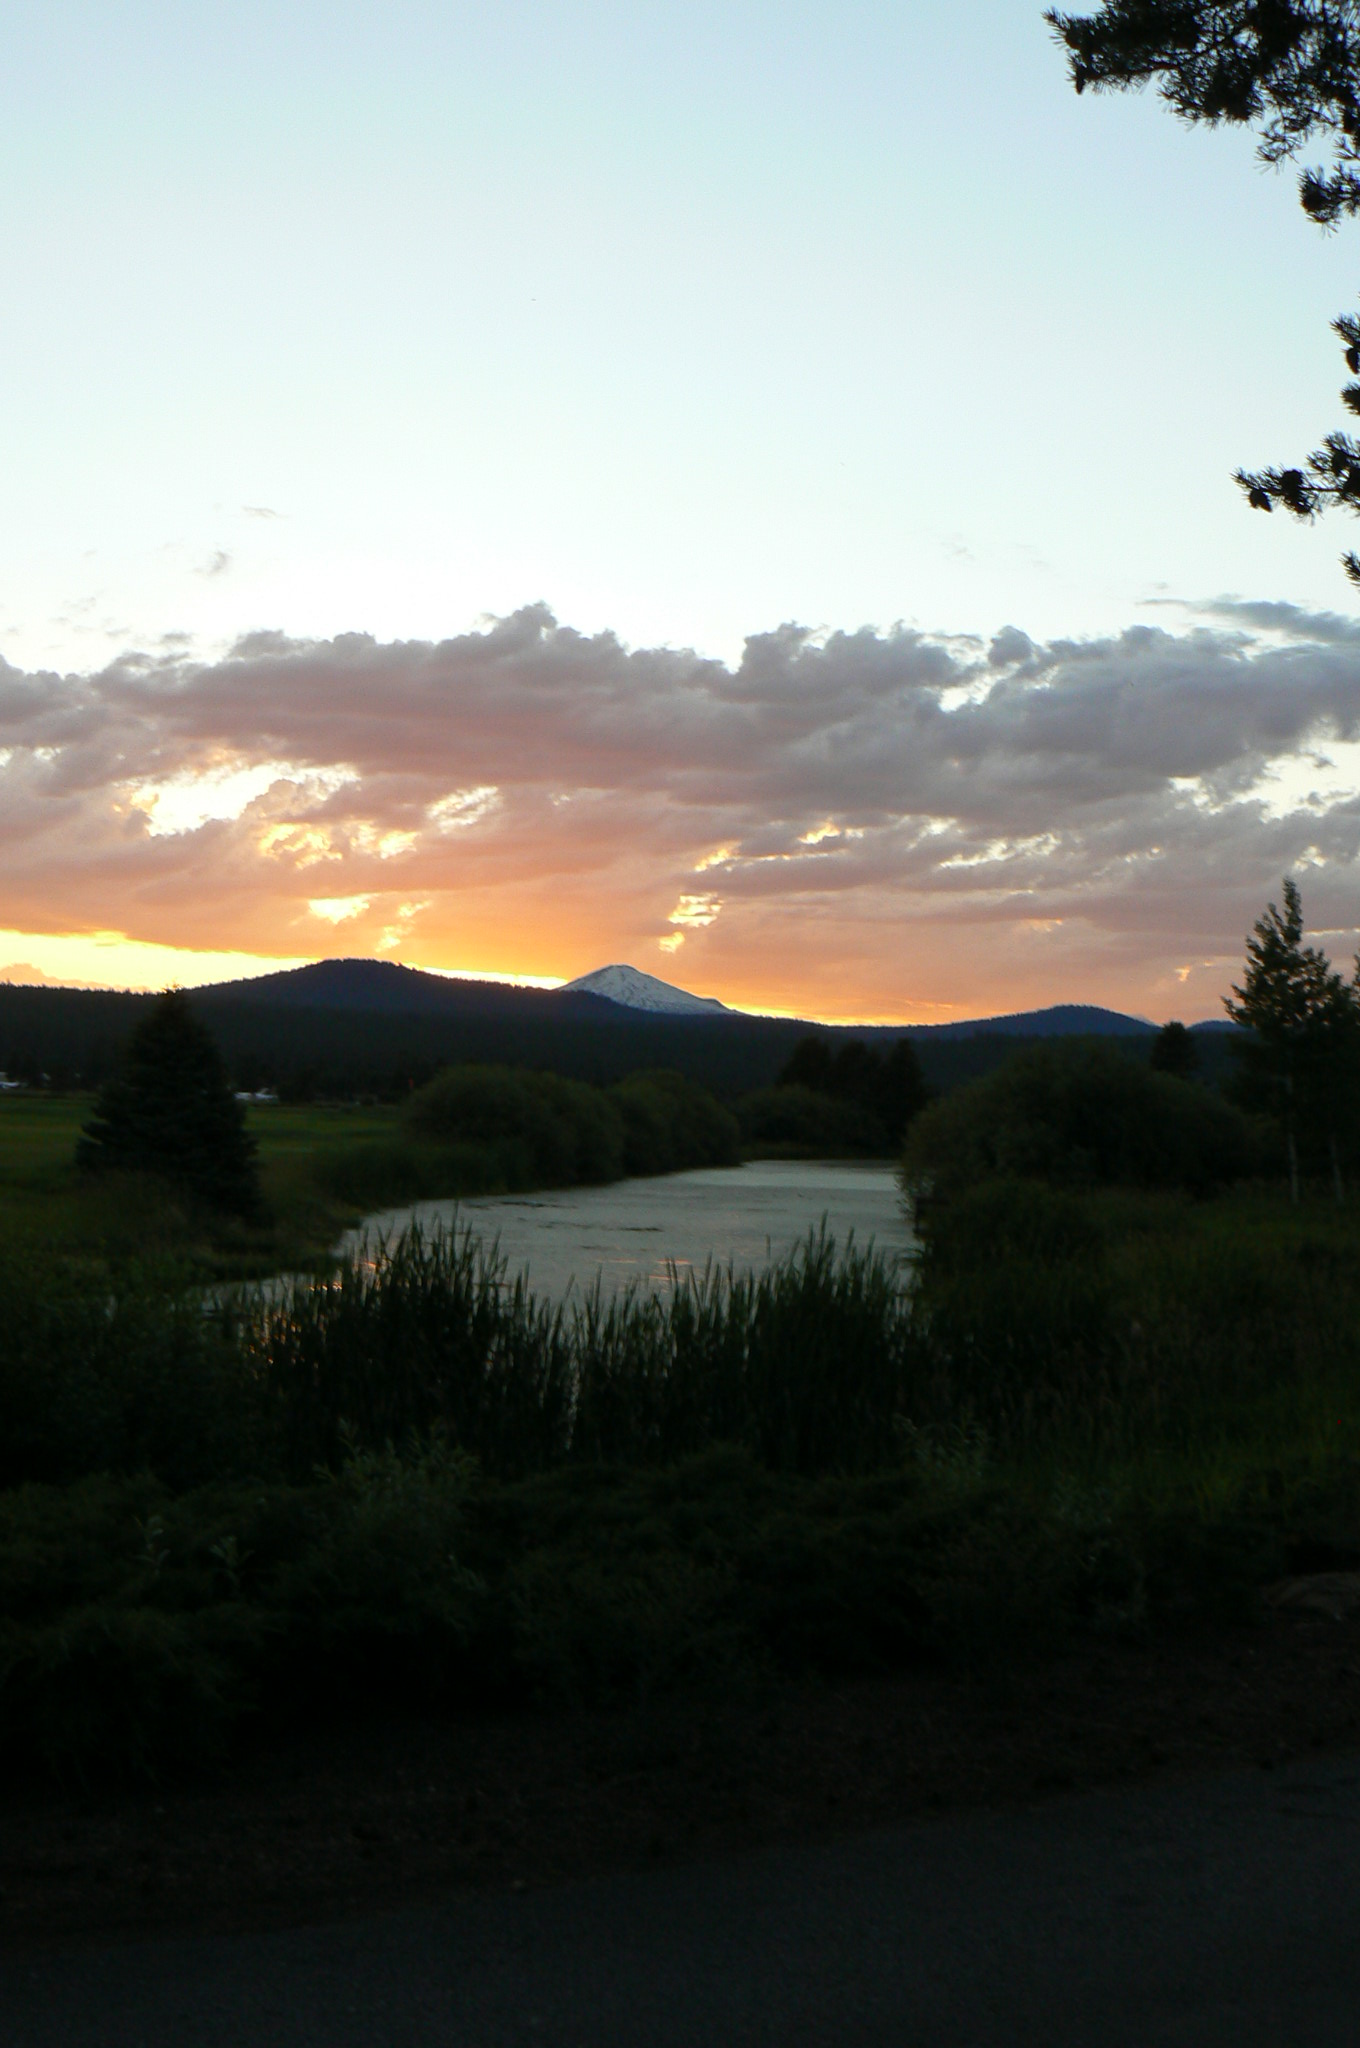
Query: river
{"type": "Point", "coordinates": [637, 1231]}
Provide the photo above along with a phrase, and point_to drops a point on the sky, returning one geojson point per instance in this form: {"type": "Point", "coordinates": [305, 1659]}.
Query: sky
{"type": "Point", "coordinates": [742, 489]}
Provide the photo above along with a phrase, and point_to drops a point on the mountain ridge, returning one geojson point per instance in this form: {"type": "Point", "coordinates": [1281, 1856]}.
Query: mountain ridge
{"type": "Point", "coordinates": [638, 991]}
{"type": "Point", "coordinates": [358, 1029]}
{"type": "Point", "coordinates": [386, 985]}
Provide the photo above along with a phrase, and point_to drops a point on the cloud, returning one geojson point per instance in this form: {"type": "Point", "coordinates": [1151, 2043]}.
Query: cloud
{"type": "Point", "coordinates": [902, 813]}
{"type": "Point", "coordinates": [1291, 620]}
{"type": "Point", "coordinates": [338, 909]}
{"type": "Point", "coordinates": [217, 564]}
{"type": "Point", "coordinates": [463, 807]}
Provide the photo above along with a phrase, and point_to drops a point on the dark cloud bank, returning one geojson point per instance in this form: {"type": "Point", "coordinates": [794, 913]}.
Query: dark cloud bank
{"type": "Point", "coordinates": [1132, 784]}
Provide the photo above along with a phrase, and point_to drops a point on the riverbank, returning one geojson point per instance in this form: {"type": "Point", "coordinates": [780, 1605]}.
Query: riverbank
{"type": "Point", "coordinates": [323, 1169]}
{"type": "Point", "coordinates": [48, 1209]}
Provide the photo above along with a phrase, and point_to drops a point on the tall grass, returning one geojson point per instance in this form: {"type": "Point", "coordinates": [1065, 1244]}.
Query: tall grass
{"type": "Point", "coordinates": [1099, 1330]}
{"type": "Point", "coordinates": [804, 1364]}
{"type": "Point", "coordinates": [412, 1479]}
{"type": "Point", "coordinates": [1121, 1326]}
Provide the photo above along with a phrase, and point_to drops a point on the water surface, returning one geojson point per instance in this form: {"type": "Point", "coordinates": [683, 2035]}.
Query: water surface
{"type": "Point", "coordinates": [638, 1230]}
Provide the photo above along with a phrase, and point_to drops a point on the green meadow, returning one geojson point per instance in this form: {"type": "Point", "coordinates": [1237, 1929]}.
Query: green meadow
{"type": "Point", "coordinates": [45, 1201]}
{"type": "Point", "coordinates": [474, 1131]}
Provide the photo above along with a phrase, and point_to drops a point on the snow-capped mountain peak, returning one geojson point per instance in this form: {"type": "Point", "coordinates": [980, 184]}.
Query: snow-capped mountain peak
{"type": "Point", "coordinates": [639, 991]}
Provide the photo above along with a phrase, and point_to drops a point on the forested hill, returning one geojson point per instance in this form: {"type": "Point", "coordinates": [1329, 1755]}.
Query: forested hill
{"type": "Point", "coordinates": [371, 1027]}
{"type": "Point", "coordinates": [1061, 1020]}
{"type": "Point", "coordinates": [387, 986]}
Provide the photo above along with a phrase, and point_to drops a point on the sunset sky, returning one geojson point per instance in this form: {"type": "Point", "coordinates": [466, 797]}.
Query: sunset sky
{"type": "Point", "coordinates": [742, 489]}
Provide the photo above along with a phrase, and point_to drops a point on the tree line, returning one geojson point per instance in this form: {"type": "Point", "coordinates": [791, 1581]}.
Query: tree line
{"type": "Point", "coordinates": [171, 1110]}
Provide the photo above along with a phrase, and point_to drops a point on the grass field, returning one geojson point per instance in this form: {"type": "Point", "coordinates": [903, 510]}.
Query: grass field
{"type": "Point", "coordinates": [45, 1200]}
{"type": "Point", "coordinates": [474, 1131]}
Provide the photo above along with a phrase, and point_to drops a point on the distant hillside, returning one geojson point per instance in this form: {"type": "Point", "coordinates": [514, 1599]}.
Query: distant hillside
{"type": "Point", "coordinates": [384, 985]}
{"type": "Point", "coordinates": [1061, 1020]}
{"type": "Point", "coordinates": [410, 991]}
{"type": "Point", "coordinates": [347, 1028]}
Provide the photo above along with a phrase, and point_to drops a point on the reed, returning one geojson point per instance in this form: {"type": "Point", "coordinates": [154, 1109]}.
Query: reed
{"type": "Point", "coordinates": [413, 1482]}
{"type": "Point", "coordinates": [805, 1364]}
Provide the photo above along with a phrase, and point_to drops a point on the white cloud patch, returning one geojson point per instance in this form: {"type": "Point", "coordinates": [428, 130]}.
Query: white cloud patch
{"type": "Point", "coordinates": [368, 837]}
{"type": "Point", "coordinates": [187, 801]}
{"type": "Point", "coordinates": [1313, 781]}
{"type": "Point", "coordinates": [403, 922]}
{"type": "Point", "coordinates": [693, 913]}
{"type": "Point", "coordinates": [338, 909]}
{"type": "Point", "coordinates": [464, 807]}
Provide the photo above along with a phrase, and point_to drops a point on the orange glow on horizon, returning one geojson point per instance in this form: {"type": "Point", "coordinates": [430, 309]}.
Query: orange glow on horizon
{"type": "Point", "coordinates": [114, 960]}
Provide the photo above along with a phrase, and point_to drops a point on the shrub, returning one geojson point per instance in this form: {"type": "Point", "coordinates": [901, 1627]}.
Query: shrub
{"type": "Point", "coordinates": [120, 1373]}
{"type": "Point", "coordinates": [541, 1130]}
{"type": "Point", "coordinates": [1011, 1218]}
{"type": "Point", "coordinates": [672, 1124]}
{"type": "Point", "coordinates": [137, 1627]}
{"type": "Point", "coordinates": [803, 1120]}
{"type": "Point", "coordinates": [1079, 1114]}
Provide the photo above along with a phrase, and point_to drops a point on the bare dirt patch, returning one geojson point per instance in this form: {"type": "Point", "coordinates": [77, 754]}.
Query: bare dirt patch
{"type": "Point", "coordinates": [364, 1817]}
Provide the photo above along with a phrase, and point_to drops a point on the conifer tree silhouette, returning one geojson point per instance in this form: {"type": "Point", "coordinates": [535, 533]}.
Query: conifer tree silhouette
{"type": "Point", "coordinates": [1304, 1022]}
{"type": "Point", "coordinates": [171, 1111]}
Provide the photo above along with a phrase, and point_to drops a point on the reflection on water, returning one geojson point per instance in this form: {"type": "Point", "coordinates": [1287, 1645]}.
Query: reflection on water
{"type": "Point", "coordinates": [636, 1230]}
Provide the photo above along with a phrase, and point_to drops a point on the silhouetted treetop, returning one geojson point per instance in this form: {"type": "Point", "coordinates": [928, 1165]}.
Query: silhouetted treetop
{"type": "Point", "coordinates": [1174, 1052]}
{"type": "Point", "coordinates": [888, 1087]}
{"type": "Point", "coordinates": [1291, 70]}
{"type": "Point", "coordinates": [1288, 67]}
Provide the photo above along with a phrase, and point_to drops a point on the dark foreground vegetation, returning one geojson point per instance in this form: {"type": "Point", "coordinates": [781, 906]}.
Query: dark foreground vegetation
{"type": "Point", "coordinates": [412, 1486]}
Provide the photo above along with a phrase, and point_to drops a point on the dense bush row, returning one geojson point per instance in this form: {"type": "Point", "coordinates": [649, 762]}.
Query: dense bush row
{"type": "Point", "coordinates": [807, 1123]}
{"type": "Point", "coordinates": [140, 1628]}
{"type": "Point", "coordinates": [481, 1130]}
{"type": "Point", "coordinates": [1081, 1115]}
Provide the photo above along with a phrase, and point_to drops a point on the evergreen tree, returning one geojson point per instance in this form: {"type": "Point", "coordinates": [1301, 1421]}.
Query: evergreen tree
{"type": "Point", "coordinates": [1305, 1033]}
{"type": "Point", "coordinates": [1290, 69]}
{"type": "Point", "coordinates": [809, 1065]}
{"type": "Point", "coordinates": [170, 1111]}
{"type": "Point", "coordinates": [1174, 1052]}
{"type": "Point", "coordinates": [903, 1091]}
